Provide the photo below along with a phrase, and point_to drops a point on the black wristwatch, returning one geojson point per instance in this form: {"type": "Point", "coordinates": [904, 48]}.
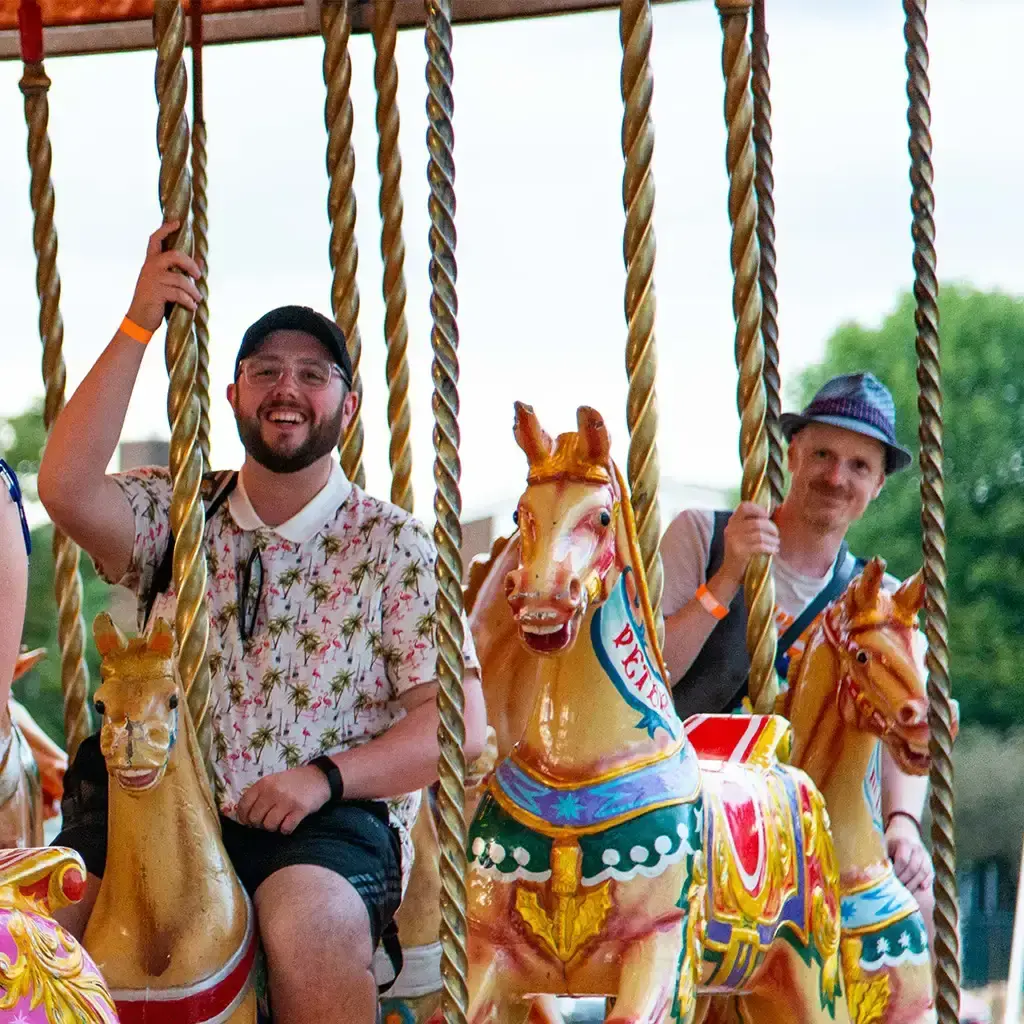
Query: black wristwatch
{"type": "Point", "coordinates": [330, 769]}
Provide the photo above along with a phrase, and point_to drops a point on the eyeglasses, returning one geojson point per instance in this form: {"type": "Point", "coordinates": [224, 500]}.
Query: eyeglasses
{"type": "Point", "coordinates": [311, 375]}
{"type": "Point", "coordinates": [250, 594]}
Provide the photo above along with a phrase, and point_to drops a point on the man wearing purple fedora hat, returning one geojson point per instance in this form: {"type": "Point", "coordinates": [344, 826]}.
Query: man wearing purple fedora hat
{"type": "Point", "coordinates": [841, 449]}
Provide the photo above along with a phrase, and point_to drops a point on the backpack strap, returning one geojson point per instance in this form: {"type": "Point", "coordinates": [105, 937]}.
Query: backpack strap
{"type": "Point", "coordinates": [216, 488]}
{"type": "Point", "coordinates": [847, 566]}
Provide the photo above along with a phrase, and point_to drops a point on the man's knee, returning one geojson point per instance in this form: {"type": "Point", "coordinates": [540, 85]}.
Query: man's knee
{"type": "Point", "coordinates": [306, 915]}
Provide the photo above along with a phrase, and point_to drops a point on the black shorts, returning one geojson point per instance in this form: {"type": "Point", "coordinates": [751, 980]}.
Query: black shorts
{"type": "Point", "coordinates": [354, 840]}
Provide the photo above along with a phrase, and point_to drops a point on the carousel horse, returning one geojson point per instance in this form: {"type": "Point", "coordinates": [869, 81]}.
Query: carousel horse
{"type": "Point", "coordinates": [31, 771]}
{"type": "Point", "coordinates": [609, 856]}
{"type": "Point", "coordinates": [45, 975]}
{"type": "Point", "coordinates": [857, 683]}
{"type": "Point", "coordinates": [172, 930]}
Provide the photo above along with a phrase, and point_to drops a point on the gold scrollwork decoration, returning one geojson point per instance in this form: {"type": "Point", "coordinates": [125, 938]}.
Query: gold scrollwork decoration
{"type": "Point", "coordinates": [47, 973]}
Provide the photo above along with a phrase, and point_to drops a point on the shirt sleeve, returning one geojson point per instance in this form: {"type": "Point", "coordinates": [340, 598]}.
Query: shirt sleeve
{"type": "Point", "coordinates": [148, 490]}
{"type": "Point", "coordinates": [409, 616]}
{"type": "Point", "coordinates": [685, 550]}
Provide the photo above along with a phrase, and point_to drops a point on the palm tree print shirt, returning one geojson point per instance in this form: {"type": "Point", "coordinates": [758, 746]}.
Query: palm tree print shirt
{"type": "Point", "coordinates": [343, 627]}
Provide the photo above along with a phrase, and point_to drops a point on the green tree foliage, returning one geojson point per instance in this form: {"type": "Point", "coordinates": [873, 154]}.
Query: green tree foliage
{"type": "Point", "coordinates": [983, 411]}
{"type": "Point", "coordinates": [21, 444]}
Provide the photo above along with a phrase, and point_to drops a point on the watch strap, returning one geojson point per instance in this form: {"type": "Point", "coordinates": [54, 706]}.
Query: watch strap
{"type": "Point", "coordinates": [334, 778]}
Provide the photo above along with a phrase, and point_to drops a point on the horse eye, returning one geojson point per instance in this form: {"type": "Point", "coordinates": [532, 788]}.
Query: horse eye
{"type": "Point", "coordinates": [101, 708]}
{"type": "Point", "coordinates": [606, 517]}
{"type": "Point", "coordinates": [515, 517]}
{"type": "Point", "coordinates": [173, 702]}
{"type": "Point", "coordinates": [862, 657]}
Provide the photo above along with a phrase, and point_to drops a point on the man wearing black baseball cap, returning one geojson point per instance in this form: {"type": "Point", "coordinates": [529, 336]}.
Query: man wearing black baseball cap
{"type": "Point", "coordinates": [842, 446]}
{"type": "Point", "coordinates": [321, 653]}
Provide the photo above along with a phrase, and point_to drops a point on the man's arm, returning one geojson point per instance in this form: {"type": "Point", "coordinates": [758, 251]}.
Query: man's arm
{"type": "Point", "coordinates": [73, 483]}
{"type": "Point", "coordinates": [13, 592]}
{"type": "Point", "coordinates": [903, 799]}
{"type": "Point", "coordinates": [401, 760]}
{"type": "Point", "coordinates": [688, 624]}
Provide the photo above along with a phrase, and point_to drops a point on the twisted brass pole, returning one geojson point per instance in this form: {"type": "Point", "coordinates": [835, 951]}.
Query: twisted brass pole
{"type": "Point", "coordinates": [200, 229]}
{"type": "Point", "coordinates": [933, 515]}
{"type": "Point", "coordinates": [758, 587]}
{"type": "Point", "coordinates": [444, 338]}
{"type": "Point", "coordinates": [635, 28]}
{"type": "Point", "coordinates": [188, 518]}
{"type": "Point", "coordinates": [74, 675]}
{"type": "Point", "coordinates": [336, 27]}
{"type": "Point", "coordinates": [764, 184]}
{"type": "Point", "coordinates": [392, 247]}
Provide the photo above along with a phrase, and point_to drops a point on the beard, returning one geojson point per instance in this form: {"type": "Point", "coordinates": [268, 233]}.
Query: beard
{"type": "Point", "coordinates": [321, 440]}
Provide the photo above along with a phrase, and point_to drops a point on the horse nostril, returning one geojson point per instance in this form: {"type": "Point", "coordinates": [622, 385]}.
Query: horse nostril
{"type": "Point", "coordinates": [510, 585]}
{"type": "Point", "coordinates": [908, 715]}
{"type": "Point", "coordinates": [575, 590]}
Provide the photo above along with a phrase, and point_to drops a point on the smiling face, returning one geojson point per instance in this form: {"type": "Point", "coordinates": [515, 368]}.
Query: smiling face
{"type": "Point", "coordinates": [288, 423]}
{"type": "Point", "coordinates": [836, 474]}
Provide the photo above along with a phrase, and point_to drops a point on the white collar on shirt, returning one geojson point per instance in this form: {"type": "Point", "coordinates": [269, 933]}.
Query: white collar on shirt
{"type": "Point", "coordinates": [307, 522]}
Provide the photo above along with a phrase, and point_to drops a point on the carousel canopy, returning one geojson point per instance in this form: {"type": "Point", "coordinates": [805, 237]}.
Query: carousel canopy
{"type": "Point", "coordinates": [98, 26]}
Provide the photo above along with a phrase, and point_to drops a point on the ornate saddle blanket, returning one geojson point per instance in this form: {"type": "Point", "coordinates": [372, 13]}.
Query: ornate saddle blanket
{"type": "Point", "coordinates": [629, 824]}
{"type": "Point", "coordinates": [885, 918]}
{"type": "Point", "coordinates": [761, 740]}
{"type": "Point", "coordinates": [762, 867]}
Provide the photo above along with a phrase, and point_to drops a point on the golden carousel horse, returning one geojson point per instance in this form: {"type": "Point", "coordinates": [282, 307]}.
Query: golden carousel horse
{"type": "Point", "coordinates": [609, 856]}
{"type": "Point", "coordinates": [172, 930]}
{"type": "Point", "coordinates": [857, 682]}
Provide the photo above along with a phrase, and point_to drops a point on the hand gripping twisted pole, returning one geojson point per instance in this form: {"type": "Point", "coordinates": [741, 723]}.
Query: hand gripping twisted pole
{"type": "Point", "coordinates": [764, 184]}
{"type": "Point", "coordinates": [201, 230]}
{"type": "Point", "coordinates": [336, 27]}
{"type": "Point", "coordinates": [758, 586]}
{"type": "Point", "coordinates": [444, 338]}
{"type": "Point", "coordinates": [392, 247]}
{"type": "Point", "coordinates": [635, 29]}
{"type": "Point", "coordinates": [74, 675]}
{"type": "Point", "coordinates": [188, 518]}
{"type": "Point", "coordinates": [933, 514]}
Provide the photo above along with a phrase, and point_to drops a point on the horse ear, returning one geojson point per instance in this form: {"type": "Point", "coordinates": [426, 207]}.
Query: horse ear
{"type": "Point", "coordinates": [530, 435]}
{"type": "Point", "coordinates": [109, 639]}
{"type": "Point", "coordinates": [869, 583]}
{"type": "Point", "coordinates": [161, 639]}
{"type": "Point", "coordinates": [593, 435]}
{"type": "Point", "coordinates": [910, 596]}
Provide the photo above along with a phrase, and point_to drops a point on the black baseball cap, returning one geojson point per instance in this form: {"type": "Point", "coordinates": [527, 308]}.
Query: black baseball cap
{"type": "Point", "coordinates": [299, 318]}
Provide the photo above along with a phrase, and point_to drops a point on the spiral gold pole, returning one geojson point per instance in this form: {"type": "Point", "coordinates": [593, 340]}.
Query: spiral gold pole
{"type": "Point", "coordinates": [200, 229]}
{"type": "Point", "coordinates": [336, 27]}
{"type": "Point", "coordinates": [933, 515]}
{"type": "Point", "coordinates": [74, 675]}
{"type": "Point", "coordinates": [764, 184]}
{"type": "Point", "coordinates": [444, 338]}
{"type": "Point", "coordinates": [188, 518]}
{"type": "Point", "coordinates": [758, 587]}
{"type": "Point", "coordinates": [635, 29]}
{"type": "Point", "coordinates": [392, 247]}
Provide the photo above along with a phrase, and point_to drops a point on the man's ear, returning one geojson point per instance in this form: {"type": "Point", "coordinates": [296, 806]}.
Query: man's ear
{"type": "Point", "coordinates": [231, 394]}
{"type": "Point", "coordinates": [349, 405]}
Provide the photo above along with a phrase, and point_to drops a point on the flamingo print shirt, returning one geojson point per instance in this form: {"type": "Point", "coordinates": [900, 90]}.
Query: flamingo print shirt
{"type": "Point", "coordinates": [342, 626]}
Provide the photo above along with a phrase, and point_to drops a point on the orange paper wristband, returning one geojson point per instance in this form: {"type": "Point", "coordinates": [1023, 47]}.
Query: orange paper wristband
{"type": "Point", "coordinates": [135, 332]}
{"type": "Point", "coordinates": [710, 602]}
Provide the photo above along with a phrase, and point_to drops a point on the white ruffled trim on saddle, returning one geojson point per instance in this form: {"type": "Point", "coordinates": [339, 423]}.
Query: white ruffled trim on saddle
{"type": "Point", "coordinates": [421, 972]}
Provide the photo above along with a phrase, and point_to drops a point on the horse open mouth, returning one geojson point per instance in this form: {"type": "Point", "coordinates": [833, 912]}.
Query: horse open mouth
{"type": "Point", "coordinates": [136, 780]}
{"type": "Point", "coordinates": [912, 758]}
{"type": "Point", "coordinates": [548, 638]}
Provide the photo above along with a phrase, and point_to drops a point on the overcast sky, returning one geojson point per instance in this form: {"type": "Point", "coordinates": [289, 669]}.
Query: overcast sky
{"type": "Point", "coordinates": [537, 121]}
